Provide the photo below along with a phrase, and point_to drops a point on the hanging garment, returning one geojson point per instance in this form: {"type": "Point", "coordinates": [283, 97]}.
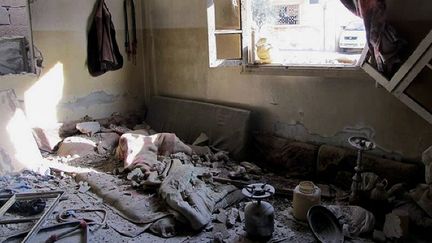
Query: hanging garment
{"type": "Point", "coordinates": [102, 50]}
{"type": "Point", "coordinates": [384, 44]}
{"type": "Point", "coordinates": [131, 47]}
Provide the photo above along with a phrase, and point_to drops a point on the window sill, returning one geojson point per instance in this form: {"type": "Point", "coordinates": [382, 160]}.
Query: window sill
{"type": "Point", "coordinates": [309, 71]}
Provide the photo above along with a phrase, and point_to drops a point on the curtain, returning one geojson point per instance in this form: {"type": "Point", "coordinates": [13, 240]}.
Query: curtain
{"type": "Point", "coordinates": [384, 44]}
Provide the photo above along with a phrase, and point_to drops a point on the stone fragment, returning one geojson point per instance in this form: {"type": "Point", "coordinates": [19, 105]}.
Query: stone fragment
{"type": "Point", "coordinates": [221, 217]}
{"type": "Point", "coordinates": [100, 149]}
{"type": "Point", "coordinates": [220, 156]}
{"type": "Point", "coordinates": [108, 141]}
{"type": "Point", "coordinates": [200, 150]}
{"type": "Point", "coordinates": [78, 146]}
{"type": "Point", "coordinates": [220, 233]}
{"type": "Point", "coordinates": [119, 129]}
{"type": "Point", "coordinates": [239, 174]}
{"type": "Point", "coordinates": [88, 128]}
{"type": "Point", "coordinates": [396, 225]}
{"type": "Point", "coordinates": [251, 168]}
{"type": "Point", "coordinates": [164, 227]}
{"type": "Point", "coordinates": [142, 126]}
{"type": "Point", "coordinates": [232, 217]}
{"type": "Point", "coordinates": [83, 187]}
{"type": "Point", "coordinates": [241, 216]}
{"type": "Point", "coordinates": [47, 138]}
{"type": "Point", "coordinates": [68, 129]}
{"type": "Point", "coordinates": [135, 175]}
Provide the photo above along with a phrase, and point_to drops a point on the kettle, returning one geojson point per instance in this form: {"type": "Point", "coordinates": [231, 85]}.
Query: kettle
{"type": "Point", "coordinates": [379, 193]}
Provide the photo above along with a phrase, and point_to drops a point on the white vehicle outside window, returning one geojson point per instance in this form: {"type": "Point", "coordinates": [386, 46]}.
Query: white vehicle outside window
{"type": "Point", "coordinates": [287, 33]}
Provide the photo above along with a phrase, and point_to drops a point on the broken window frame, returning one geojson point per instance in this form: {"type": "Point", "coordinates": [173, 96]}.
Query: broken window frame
{"type": "Point", "coordinates": [248, 50]}
{"type": "Point", "coordinates": [407, 73]}
{"type": "Point", "coordinates": [213, 33]}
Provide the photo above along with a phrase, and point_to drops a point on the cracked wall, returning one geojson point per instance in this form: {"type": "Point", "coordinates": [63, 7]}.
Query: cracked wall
{"type": "Point", "coordinates": [309, 108]}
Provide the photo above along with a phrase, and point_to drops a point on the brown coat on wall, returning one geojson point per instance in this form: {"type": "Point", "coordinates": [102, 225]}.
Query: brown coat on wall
{"type": "Point", "coordinates": [102, 50]}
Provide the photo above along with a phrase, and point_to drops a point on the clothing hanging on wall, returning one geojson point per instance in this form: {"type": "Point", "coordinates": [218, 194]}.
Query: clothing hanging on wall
{"type": "Point", "coordinates": [102, 50]}
{"type": "Point", "coordinates": [131, 47]}
{"type": "Point", "coordinates": [384, 44]}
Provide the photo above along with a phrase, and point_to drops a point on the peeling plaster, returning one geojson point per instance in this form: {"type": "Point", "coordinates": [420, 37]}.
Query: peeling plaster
{"type": "Point", "coordinates": [299, 132]}
{"type": "Point", "coordinates": [95, 98]}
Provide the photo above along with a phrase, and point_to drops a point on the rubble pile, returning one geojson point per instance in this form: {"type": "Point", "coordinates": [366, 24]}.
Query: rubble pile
{"type": "Point", "coordinates": [154, 182]}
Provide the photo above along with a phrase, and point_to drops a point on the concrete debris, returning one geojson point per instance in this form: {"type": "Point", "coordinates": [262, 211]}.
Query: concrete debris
{"type": "Point", "coordinates": [251, 168]}
{"type": "Point", "coordinates": [221, 217]}
{"type": "Point", "coordinates": [143, 125]}
{"type": "Point", "coordinates": [417, 215]}
{"type": "Point", "coordinates": [201, 150]}
{"type": "Point", "coordinates": [100, 149]}
{"type": "Point", "coordinates": [83, 187]}
{"type": "Point", "coordinates": [135, 175]}
{"type": "Point", "coordinates": [47, 139]}
{"type": "Point", "coordinates": [129, 120]}
{"type": "Point", "coordinates": [396, 225]}
{"type": "Point", "coordinates": [165, 227]}
{"type": "Point", "coordinates": [88, 128]}
{"type": "Point", "coordinates": [68, 129]}
{"type": "Point", "coordinates": [119, 129]}
{"type": "Point", "coordinates": [241, 216]}
{"type": "Point", "coordinates": [78, 146]}
{"type": "Point", "coordinates": [239, 173]}
{"type": "Point", "coordinates": [207, 177]}
{"type": "Point", "coordinates": [186, 159]}
{"type": "Point", "coordinates": [220, 233]}
{"type": "Point", "coordinates": [216, 165]}
{"type": "Point", "coordinates": [221, 156]}
{"type": "Point", "coordinates": [233, 215]}
{"type": "Point", "coordinates": [108, 141]}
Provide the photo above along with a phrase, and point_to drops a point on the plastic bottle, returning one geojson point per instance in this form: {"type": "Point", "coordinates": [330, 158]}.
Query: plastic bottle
{"type": "Point", "coordinates": [306, 195]}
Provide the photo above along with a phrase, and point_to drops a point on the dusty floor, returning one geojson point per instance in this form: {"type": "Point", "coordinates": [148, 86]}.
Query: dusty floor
{"type": "Point", "coordinates": [286, 228]}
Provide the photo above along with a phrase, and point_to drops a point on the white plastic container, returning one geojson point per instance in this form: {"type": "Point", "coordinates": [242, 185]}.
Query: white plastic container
{"type": "Point", "coordinates": [306, 195]}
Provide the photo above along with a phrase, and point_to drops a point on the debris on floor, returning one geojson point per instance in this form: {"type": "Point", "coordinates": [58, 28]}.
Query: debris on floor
{"type": "Point", "coordinates": [127, 182]}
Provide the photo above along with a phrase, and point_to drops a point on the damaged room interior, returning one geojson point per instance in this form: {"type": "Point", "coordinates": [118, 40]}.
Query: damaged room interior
{"type": "Point", "coordinates": [215, 121]}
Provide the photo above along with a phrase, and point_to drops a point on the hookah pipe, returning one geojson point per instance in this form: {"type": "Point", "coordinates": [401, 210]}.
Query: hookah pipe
{"type": "Point", "coordinates": [361, 144]}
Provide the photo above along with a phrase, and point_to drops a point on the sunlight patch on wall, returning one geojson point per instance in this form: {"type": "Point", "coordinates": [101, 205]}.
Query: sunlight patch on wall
{"type": "Point", "coordinates": [42, 99]}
